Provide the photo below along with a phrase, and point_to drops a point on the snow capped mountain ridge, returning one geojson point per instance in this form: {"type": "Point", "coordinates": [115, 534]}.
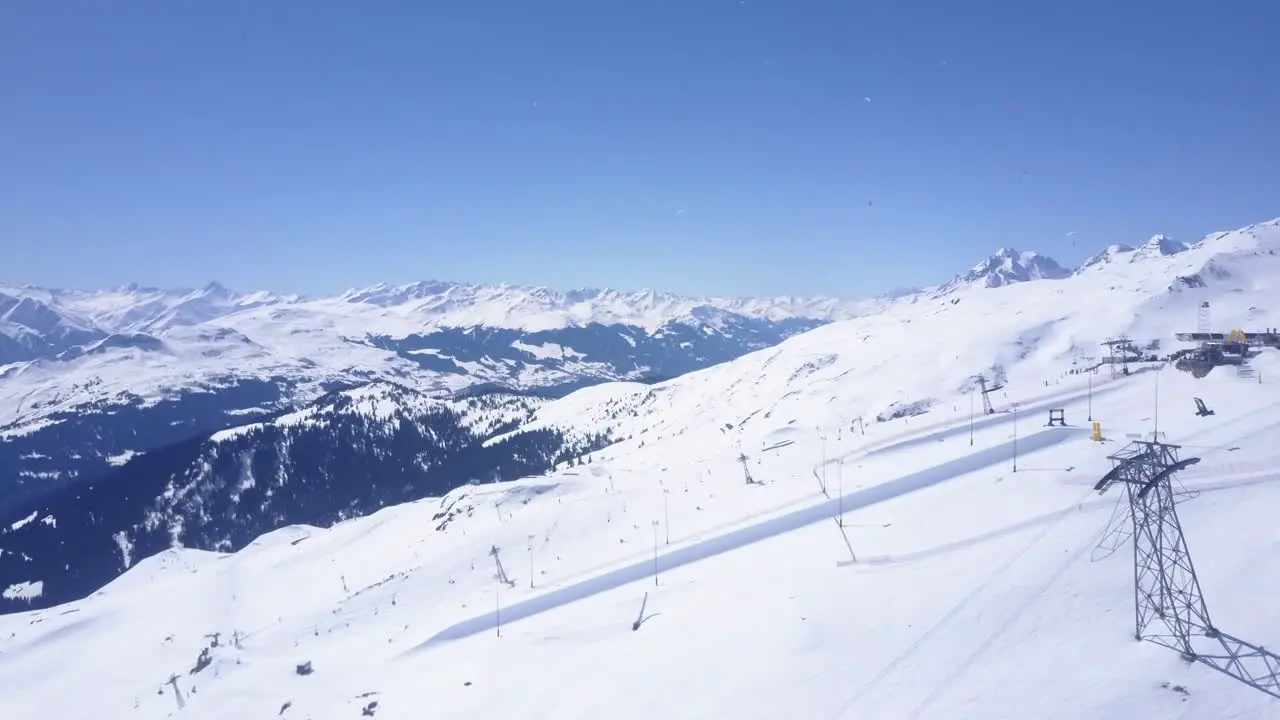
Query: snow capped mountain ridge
{"type": "Point", "coordinates": [436, 303]}
{"type": "Point", "coordinates": [1109, 254]}
{"type": "Point", "coordinates": [540, 308]}
{"type": "Point", "coordinates": [1164, 245]}
{"type": "Point", "coordinates": [136, 308]}
{"type": "Point", "coordinates": [1008, 266]}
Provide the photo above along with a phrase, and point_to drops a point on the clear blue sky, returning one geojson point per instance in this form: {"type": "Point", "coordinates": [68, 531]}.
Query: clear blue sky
{"type": "Point", "coordinates": [697, 146]}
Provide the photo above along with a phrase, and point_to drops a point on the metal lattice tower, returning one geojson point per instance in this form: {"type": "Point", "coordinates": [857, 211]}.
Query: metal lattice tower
{"type": "Point", "coordinates": [1119, 362]}
{"type": "Point", "coordinates": [1204, 325]}
{"type": "Point", "coordinates": [987, 409]}
{"type": "Point", "coordinates": [1169, 608]}
{"type": "Point", "coordinates": [746, 470]}
{"type": "Point", "coordinates": [502, 572]}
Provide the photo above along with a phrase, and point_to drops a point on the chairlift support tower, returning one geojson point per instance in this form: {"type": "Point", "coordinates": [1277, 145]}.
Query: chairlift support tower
{"type": "Point", "coordinates": [502, 572]}
{"type": "Point", "coordinates": [1119, 364]}
{"type": "Point", "coordinates": [746, 469]}
{"type": "Point", "coordinates": [1169, 607]}
{"type": "Point", "coordinates": [982, 388]}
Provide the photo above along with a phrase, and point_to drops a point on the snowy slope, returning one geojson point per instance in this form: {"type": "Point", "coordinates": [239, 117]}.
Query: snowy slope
{"type": "Point", "coordinates": [977, 591]}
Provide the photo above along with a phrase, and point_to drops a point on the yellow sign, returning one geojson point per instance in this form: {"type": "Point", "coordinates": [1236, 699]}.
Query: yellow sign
{"type": "Point", "coordinates": [1236, 336]}
{"type": "Point", "coordinates": [1097, 431]}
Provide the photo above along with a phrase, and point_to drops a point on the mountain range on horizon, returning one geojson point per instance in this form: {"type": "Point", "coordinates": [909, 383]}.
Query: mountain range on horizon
{"type": "Point", "coordinates": [124, 308]}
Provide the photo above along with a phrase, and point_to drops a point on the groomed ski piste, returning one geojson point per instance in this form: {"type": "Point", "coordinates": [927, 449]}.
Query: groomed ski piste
{"type": "Point", "coordinates": [930, 580]}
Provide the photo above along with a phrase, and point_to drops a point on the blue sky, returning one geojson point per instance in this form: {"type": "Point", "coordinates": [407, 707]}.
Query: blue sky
{"type": "Point", "coordinates": [697, 146]}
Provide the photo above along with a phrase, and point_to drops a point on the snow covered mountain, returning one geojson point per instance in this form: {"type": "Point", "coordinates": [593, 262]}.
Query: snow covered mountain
{"type": "Point", "coordinates": [1008, 266]}
{"type": "Point", "coordinates": [752, 543]}
{"type": "Point", "coordinates": [350, 454]}
{"type": "Point", "coordinates": [443, 304]}
{"type": "Point", "coordinates": [87, 380]}
{"type": "Point", "coordinates": [1157, 246]}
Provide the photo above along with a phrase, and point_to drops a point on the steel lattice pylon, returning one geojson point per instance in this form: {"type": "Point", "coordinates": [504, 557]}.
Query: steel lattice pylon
{"type": "Point", "coordinates": [1169, 608]}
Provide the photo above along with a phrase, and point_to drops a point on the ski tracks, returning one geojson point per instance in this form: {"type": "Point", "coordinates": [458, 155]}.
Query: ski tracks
{"type": "Point", "coordinates": [1031, 599]}
{"type": "Point", "coordinates": [972, 601]}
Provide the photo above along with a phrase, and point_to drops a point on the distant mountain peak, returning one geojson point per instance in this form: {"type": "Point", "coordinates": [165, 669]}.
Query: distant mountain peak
{"type": "Point", "coordinates": [1109, 254]}
{"type": "Point", "coordinates": [1157, 247]}
{"type": "Point", "coordinates": [385, 295]}
{"type": "Point", "coordinates": [1163, 245]}
{"type": "Point", "coordinates": [1007, 266]}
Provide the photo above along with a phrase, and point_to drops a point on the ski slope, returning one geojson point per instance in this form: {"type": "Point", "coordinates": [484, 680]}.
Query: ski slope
{"type": "Point", "coordinates": [737, 539]}
{"type": "Point", "coordinates": [975, 595]}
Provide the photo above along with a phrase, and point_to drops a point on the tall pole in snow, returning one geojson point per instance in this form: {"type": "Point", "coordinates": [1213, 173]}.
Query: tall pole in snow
{"type": "Point", "coordinates": [666, 513]}
{"type": "Point", "coordinates": [823, 436]}
{"type": "Point", "coordinates": [1155, 416]}
{"type": "Point", "coordinates": [1015, 436]}
{"type": "Point", "coordinates": [497, 605]}
{"type": "Point", "coordinates": [655, 553]}
{"type": "Point", "coordinates": [1090, 391]}
{"type": "Point", "coordinates": [840, 492]}
{"type": "Point", "coordinates": [530, 562]}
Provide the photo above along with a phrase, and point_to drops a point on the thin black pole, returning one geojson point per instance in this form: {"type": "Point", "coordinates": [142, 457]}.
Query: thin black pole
{"type": "Point", "coordinates": [530, 561]}
{"type": "Point", "coordinates": [1091, 394]}
{"type": "Point", "coordinates": [840, 491]}
{"type": "Point", "coordinates": [655, 553]}
{"type": "Point", "coordinates": [1155, 416]}
{"type": "Point", "coordinates": [824, 464]}
{"type": "Point", "coordinates": [1015, 437]}
{"type": "Point", "coordinates": [497, 604]}
{"type": "Point", "coordinates": [666, 514]}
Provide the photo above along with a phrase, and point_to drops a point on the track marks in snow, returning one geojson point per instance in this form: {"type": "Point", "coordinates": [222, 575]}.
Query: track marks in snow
{"type": "Point", "coordinates": [1029, 600]}
{"type": "Point", "coordinates": [979, 601]}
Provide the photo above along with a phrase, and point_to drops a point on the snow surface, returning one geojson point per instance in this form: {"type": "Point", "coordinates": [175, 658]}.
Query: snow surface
{"type": "Point", "coordinates": [974, 595]}
{"type": "Point", "coordinates": [958, 588]}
